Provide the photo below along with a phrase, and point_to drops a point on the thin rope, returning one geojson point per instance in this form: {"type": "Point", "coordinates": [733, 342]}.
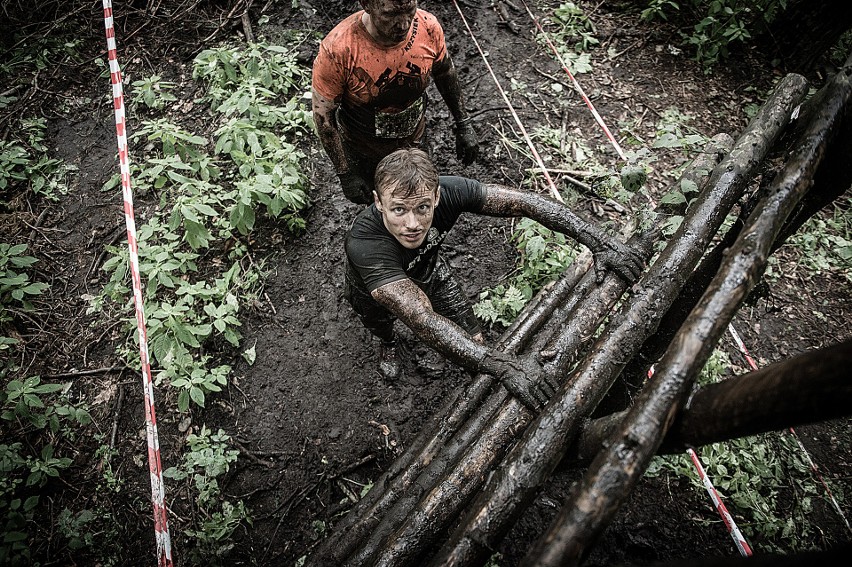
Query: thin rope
{"type": "Point", "coordinates": [577, 85]}
{"type": "Point", "coordinates": [551, 186]}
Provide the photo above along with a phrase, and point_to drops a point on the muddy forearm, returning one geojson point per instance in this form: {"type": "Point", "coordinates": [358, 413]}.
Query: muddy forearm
{"type": "Point", "coordinates": [502, 201]}
{"type": "Point", "coordinates": [447, 83]}
{"type": "Point", "coordinates": [408, 302]}
{"type": "Point", "coordinates": [323, 111]}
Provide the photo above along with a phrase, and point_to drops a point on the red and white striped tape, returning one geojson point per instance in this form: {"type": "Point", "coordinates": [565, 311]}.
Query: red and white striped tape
{"type": "Point", "coordinates": [161, 527]}
{"type": "Point", "coordinates": [739, 540]}
{"type": "Point", "coordinates": [753, 365]}
{"type": "Point", "coordinates": [540, 162]}
{"type": "Point", "coordinates": [730, 524]}
{"type": "Point", "coordinates": [577, 86]}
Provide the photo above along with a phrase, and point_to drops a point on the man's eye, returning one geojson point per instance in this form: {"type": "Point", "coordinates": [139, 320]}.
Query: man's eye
{"type": "Point", "coordinates": [424, 208]}
{"type": "Point", "coordinates": [398, 210]}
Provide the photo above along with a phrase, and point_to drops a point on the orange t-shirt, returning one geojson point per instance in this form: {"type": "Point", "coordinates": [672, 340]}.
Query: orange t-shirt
{"type": "Point", "coordinates": [356, 71]}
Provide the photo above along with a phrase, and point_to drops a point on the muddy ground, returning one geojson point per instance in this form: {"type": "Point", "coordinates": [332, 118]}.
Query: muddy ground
{"type": "Point", "coordinates": [313, 414]}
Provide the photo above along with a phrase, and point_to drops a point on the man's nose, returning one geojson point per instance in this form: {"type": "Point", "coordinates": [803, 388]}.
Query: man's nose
{"type": "Point", "coordinates": [412, 221]}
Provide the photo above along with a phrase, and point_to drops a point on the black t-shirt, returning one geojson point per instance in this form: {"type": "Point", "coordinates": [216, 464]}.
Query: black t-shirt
{"type": "Point", "coordinates": [376, 258]}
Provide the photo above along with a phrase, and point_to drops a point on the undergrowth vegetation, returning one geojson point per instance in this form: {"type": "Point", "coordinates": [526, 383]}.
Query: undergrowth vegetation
{"type": "Point", "coordinates": [719, 24]}
{"type": "Point", "coordinates": [764, 480]}
{"type": "Point", "coordinates": [194, 250]}
{"type": "Point", "coordinates": [202, 193]}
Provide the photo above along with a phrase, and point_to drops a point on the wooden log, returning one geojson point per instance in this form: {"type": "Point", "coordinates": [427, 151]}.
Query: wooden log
{"type": "Point", "coordinates": [361, 521]}
{"type": "Point", "coordinates": [462, 456]}
{"type": "Point", "coordinates": [514, 483]}
{"type": "Point", "coordinates": [808, 388]}
{"type": "Point", "coordinates": [559, 358]}
{"type": "Point", "coordinates": [615, 471]}
{"type": "Point", "coordinates": [831, 180]}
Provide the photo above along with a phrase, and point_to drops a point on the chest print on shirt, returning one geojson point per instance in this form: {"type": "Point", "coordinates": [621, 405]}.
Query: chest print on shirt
{"type": "Point", "coordinates": [433, 239]}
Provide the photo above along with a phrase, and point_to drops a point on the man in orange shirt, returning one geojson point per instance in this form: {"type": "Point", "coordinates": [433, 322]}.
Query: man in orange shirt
{"type": "Point", "coordinates": [369, 90]}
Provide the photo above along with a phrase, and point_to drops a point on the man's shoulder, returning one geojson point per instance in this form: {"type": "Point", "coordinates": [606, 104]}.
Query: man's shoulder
{"type": "Point", "coordinates": [428, 17]}
{"type": "Point", "coordinates": [366, 226]}
{"type": "Point", "coordinates": [461, 193]}
{"type": "Point", "coordinates": [341, 34]}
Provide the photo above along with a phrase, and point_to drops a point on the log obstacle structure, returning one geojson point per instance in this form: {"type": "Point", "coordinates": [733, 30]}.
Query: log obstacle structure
{"type": "Point", "coordinates": [481, 460]}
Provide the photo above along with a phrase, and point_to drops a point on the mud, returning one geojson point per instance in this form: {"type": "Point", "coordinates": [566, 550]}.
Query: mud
{"type": "Point", "coordinates": [313, 415]}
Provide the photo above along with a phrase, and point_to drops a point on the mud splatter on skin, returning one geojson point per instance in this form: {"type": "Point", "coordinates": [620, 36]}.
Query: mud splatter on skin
{"type": "Point", "coordinates": [408, 302]}
{"type": "Point", "coordinates": [609, 253]}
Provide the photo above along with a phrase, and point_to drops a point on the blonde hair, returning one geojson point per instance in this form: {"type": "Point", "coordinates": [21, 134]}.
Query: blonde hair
{"type": "Point", "coordinates": [405, 172]}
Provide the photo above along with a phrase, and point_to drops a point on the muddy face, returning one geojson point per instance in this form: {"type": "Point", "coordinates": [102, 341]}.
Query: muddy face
{"type": "Point", "coordinates": [408, 217]}
{"type": "Point", "coordinates": [389, 21]}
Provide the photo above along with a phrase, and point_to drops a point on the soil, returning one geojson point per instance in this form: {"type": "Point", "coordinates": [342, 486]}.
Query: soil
{"type": "Point", "coordinates": [313, 414]}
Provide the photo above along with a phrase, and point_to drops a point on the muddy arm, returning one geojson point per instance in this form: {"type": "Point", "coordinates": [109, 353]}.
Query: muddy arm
{"type": "Point", "coordinates": [447, 83]}
{"type": "Point", "coordinates": [324, 110]}
{"type": "Point", "coordinates": [610, 254]}
{"type": "Point", "coordinates": [521, 377]}
{"type": "Point", "coordinates": [408, 302]}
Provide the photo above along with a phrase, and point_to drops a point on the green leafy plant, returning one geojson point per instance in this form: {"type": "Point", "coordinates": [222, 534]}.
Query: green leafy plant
{"type": "Point", "coordinates": [29, 410]}
{"type": "Point", "coordinates": [153, 92]}
{"type": "Point", "coordinates": [207, 200]}
{"type": "Point", "coordinates": [674, 131]}
{"type": "Point", "coordinates": [573, 37]}
{"type": "Point", "coordinates": [716, 24]}
{"type": "Point", "coordinates": [207, 460]}
{"type": "Point", "coordinates": [823, 245]}
{"type": "Point", "coordinates": [28, 165]}
{"type": "Point", "coordinates": [544, 255]}
{"type": "Point", "coordinates": [15, 285]}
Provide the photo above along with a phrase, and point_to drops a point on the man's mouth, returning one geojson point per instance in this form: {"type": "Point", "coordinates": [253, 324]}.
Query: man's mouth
{"type": "Point", "coordinates": [412, 235]}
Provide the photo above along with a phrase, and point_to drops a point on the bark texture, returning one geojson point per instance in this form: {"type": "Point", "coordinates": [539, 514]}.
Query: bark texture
{"type": "Point", "coordinates": [514, 484]}
{"type": "Point", "coordinates": [615, 471]}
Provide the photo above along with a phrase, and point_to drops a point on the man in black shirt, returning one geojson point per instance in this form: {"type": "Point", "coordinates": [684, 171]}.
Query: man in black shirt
{"type": "Point", "coordinates": [394, 268]}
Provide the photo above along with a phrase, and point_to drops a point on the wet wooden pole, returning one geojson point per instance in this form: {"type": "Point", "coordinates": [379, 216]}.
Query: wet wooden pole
{"type": "Point", "coordinates": [481, 442]}
{"type": "Point", "coordinates": [614, 473]}
{"type": "Point", "coordinates": [555, 352]}
{"type": "Point", "coordinates": [434, 438]}
{"type": "Point", "coordinates": [514, 483]}
{"type": "Point", "coordinates": [832, 179]}
{"type": "Point", "coordinates": [814, 386]}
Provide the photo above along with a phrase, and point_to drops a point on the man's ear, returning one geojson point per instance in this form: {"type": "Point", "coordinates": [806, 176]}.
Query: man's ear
{"type": "Point", "coordinates": [377, 201]}
{"type": "Point", "coordinates": [437, 195]}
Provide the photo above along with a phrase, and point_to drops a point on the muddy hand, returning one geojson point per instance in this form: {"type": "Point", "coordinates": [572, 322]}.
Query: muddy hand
{"type": "Point", "coordinates": [467, 144]}
{"type": "Point", "coordinates": [620, 258]}
{"type": "Point", "coordinates": [355, 188]}
{"type": "Point", "coordinates": [523, 378]}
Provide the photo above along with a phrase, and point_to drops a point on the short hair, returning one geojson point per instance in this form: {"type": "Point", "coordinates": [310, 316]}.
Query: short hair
{"type": "Point", "coordinates": [373, 3]}
{"type": "Point", "coordinates": [406, 171]}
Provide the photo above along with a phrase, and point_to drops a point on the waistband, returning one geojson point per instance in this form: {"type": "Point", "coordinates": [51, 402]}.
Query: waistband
{"type": "Point", "coordinates": [385, 125]}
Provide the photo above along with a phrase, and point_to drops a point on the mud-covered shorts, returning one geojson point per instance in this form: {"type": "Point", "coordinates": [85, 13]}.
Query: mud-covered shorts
{"type": "Point", "coordinates": [442, 289]}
